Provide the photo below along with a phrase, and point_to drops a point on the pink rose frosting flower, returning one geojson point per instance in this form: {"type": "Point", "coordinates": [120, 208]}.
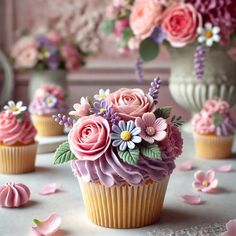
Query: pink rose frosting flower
{"type": "Point", "coordinates": [205, 182]}
{"type": "Point", "coordinates": [130, 103]}
{"type": "Point", "coordinates": [231, 228]}
{"type": "Point", "coordinates": [180, 24]}
{"type": "Point", "coordinates": [152, 129]}
{"type": "Point", "coordinates": [120, 25]}
{"type": "Point", "coordinates": [81, 109]}
{"type": "Point", "coordinates": [172, 145]}
{"type": "Point", "coordinates": [203, 124]}
{"type": "Point", "coordinates": [90, 137]}
{"type": "Point", "coordinates": [145, 16]}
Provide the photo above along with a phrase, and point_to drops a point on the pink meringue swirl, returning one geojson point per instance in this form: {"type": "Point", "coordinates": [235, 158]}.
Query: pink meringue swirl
{"type": "Point", "coordinates": [14, 195]}
{"type": "Point", "coordinates": [13, 130]}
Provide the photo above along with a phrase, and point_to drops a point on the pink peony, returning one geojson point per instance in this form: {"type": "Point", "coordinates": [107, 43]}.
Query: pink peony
{"type": "Point", "coordinates": [172, 145]}
{"type": "Point", "coordinates": [152, 129]}
{"type": "Point", "coordinates": [72, 57]}
{"type": "Point", "coordinates": [81, 109]}
{"type": "Point", "coordinates": [180, 24]}
{"type": "Point", "coordinates": [145, 16]}
{"type": "Point", "coordinates": [205, 182]}
{"type": "Point", "coordinates": [130, 103]}
{"type": "Point", "coordinates": [120, 25]}
{"type": "Point", "coordinates": [90, 137]}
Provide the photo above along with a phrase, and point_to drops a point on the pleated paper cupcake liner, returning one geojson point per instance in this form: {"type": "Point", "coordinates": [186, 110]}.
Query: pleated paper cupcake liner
{"type": "Point", "coordinates": [213, 147]}
{"type": "Point", "coordinates": [46, 126]}
{"type": "Point", "coordinates": [124, 206]}
{"type": "Point", "coordinates": [18, 159]}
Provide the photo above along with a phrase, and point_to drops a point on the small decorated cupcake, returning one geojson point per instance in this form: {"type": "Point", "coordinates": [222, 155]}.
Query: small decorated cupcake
{"type": "Point", "coordinates": [17, 140]}
{"type": "Point", "coordinates": [214, 130]}
{"type": "Point", "coordinates": [48, 100]}
{"type": "Point", "coordinates": [122, 149]}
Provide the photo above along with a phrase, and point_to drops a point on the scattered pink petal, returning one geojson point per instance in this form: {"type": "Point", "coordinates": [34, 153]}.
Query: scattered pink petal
{"type": "Point", "coordinates": [192, 199]}
{"type": "Point", "coordinates": [48, 189]}
{"type": "Point", "coordinates": [205, 182]}
{"type": "Point", "coordinates": [224, 168]}
{"type": "Point", "coordinates": [186, 166]}
{"type": "Point", "coordinates": [231, 228]}
{"type": "Point", "coordinates": [47, 227]}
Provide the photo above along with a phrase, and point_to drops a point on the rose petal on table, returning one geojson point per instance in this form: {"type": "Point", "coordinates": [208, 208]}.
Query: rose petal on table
{"type": "Point", "coordinates": [192, 199]}
{"type": "Point", "coordinates": [231, 228]}
{"type": "Point", "coordinates": [224, 168]}
{"type": "Point", "coordinates": [186, 166]}
{"type": "Point", "coordinates": [48, 226]}
{"type": "Point", "coordinates": [48, 189]}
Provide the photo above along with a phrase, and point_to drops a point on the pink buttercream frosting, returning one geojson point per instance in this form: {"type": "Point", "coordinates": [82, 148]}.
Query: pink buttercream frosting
{"type": "Point", "coordinates": [14, 195]}
{"type": "Point", "coordinates": [14, 130]}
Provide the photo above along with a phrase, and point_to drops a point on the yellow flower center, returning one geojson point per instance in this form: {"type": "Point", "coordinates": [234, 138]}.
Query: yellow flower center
{"type": "Point", "coordinates": [49, 100]}
{"type": "Point", "coordinates": [102, 96]}
{"type": "Point", "coordinates": [208, 34]}
{"type": "Point", "coordinates": [205, 183]}
{"type": "Point", "coordinates": [150, 131]}
{"type": "Point", "coordinates": [125, 135]}
{"type": "Point", "coordinates": [15, 109]}
{"type": "Point", "coordinates": [102, 110]}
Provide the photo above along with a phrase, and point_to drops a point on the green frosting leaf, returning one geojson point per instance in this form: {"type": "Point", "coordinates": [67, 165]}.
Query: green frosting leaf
{"type": "Point", "coordinates": [177, 121]}
{"type": "Point", "coordinates": [163, 112]}
{"type": "Point", "coordinates": [151, 151]}
{"type": "Point", "coordinates": [130, 156]}
{"type": "Point", "coordinates": [127, 35]}
{"type": "Point", "coordinates": [107, 26]}
{"type": "Point", "coordinates": [63, 154]}
{"type": "Point", "coordinates": [148, 50]}
{"type": "Point", "coordinates": [217, 119]}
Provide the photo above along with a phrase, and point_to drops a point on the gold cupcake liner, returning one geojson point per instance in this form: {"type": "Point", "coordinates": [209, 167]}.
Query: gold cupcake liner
{"type": "Point", "coordinates": [124, 206]}
{"type": "Point", "coordinates": [46, 126]}
{"type": "Point", "coordinates": [212, 147]}
{"type": "Point", "coordinates": [17, 159]}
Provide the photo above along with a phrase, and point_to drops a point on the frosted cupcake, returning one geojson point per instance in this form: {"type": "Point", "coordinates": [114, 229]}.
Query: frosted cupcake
{"type": "Point", "coordinates": [122, 150]}
{"type": "Point", "coordinates": [214, 130]}
{"type": "Point", "coordinates": [17, 140]}
{"type": "Point", "coordinates": [48, 100]}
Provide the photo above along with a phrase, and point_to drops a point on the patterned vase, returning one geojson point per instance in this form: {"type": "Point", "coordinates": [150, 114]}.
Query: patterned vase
{"type": "Point", "coordinates": [219, 78]}
{"type": "Point", "coordinates": [53, 77]}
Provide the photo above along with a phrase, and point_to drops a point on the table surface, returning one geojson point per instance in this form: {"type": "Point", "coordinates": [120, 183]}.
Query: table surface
{"type": "Point", "coordinates": [177, 216]}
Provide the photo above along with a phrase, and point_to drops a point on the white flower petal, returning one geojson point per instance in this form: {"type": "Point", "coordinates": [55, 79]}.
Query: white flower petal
{"type": "Point", "coordinates": [11, 104]}
{"type": "Point", "coordinates": [101, 91]}
{"type": "Point", "coordinates": [216, 38]}
{"type": "Point", "coordinates": [131, 145]}
{"type": "Point", "coordinates": [201, 39]}
{"type": "Point", "coordinates": [19, 104]}
{"type": "Point", "coordinates": [200, 30]}
{"type": "Point", "coordinates": [216, 30]}
{"type": "Point", "coordinates": [23, 108]}
{"type": "Point", "coordinates": [136, 131]}
{"type": "Point", "coordinates": [208, 26]}
{"type": "Point", "coordinates": [123, 146]}
{"type": "Point", "coordinates": [107, 92]}
{"type": "Point", "coordinates": [82, 100]}
{"type": "Point", "coordinates": [209, 42]}
{"type": "Point", "coordinates": [6, 107]}
{"type": "Point", "coordinates": [122, 125]}
{"type": "Point", "coordinates": [136, 139]}
{"type": "Point", "coordinates": [116, 143]}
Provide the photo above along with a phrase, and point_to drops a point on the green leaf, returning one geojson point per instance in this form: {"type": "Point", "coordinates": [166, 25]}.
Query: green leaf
{"type": "Point", "coordinates": [163, 112]}
{"type": "Point", "coordinates": [130, 156]}
{"type": "Point", "coordinates": [107, 26]}
{"type": "Point", "coordinates": [127, 35]}
{"type": "Point", "coordinates": [151, 151]}
{"type": "Point", "coordinates": [177, 121]}
{"type": "Point", "coordinates": [217, 119]}
{"type": "Point", "coordinates": [63, 154]}
{"type": "Point", "coordinates": [148, 50]}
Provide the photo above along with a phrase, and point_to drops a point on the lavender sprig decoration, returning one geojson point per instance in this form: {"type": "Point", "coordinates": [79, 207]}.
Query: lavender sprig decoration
{"type": "Point", "coordinates": [199, 62]}
{"type": "Point", "coordinates": [139, 70]}
{"type": "Point", "coordinates": [112, 116]}
{"type": "Point", "coordinates": [154, 89]}
{"type": "Point", "coordinates": [64, 120]}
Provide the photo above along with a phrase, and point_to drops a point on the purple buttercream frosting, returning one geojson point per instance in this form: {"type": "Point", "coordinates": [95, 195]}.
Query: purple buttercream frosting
{"type": "Point", "coordinates": [226, 128]}
{"type": "Point", "coordinates": [110, 170]}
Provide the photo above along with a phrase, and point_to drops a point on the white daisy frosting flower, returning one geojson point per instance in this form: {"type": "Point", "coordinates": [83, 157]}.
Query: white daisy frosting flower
{"type": "Point", "coordinates": [50, 101]}
{"type": "Point", "coordinates": [102, 94]}
{"type": "Point", "coordinates": [209, 34]}
{"type": "Point", "coordinates": [15, 108]}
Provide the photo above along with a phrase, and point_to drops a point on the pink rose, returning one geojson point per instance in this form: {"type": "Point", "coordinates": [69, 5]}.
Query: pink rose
{"type": "Point", "coordinates": [130, 103]}
{"type": "Point", "coordinates": [180, 24]}
{"type": "Point", "coordinates": [81, 109]}
{"type": "Point", "coordinates": [145, 16]}
{"type": "Point", "coordinates": [90, 137]}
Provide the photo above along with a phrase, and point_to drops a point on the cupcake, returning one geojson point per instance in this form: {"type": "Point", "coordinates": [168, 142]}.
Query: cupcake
{"type": "Point", "coordinates": [214, 130]}
{"type": "Point", "coordinates": [48, 101]}
{"type": "Point", "coordinates": [17, 140]}
{"type": "Point", "coordinates": [122, 149]}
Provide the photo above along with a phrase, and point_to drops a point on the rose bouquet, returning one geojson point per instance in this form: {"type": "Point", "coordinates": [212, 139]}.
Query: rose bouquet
{"type": "Point", "coordinates": [147, 24]}
{"type": "Point", "coordinates": [122, 149]}
{"type": "Point", "coordinates": [47, 51]}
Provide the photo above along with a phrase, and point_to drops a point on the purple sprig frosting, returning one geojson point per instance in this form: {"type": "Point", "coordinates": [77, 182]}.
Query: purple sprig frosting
{"type": "Point", "coordinates": [139, 70]}
{"type": "Point", "coordinates": [154, 89]}
{"type": "Point", "coordinates": [64, 120]}
{"type": "Point", "coordinates": [199, 62]}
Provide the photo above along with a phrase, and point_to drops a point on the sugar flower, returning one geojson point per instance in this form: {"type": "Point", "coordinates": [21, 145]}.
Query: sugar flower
{"type": "Point", "coordinates": [99, 107]}
{"type": "Point", "coordinates": [82, 108]}
{"type": "Point", "coordinates": [209, 34]}
{"type": "Point", "coordinates": [15, 108]}
{"type": "Point", "coordinates": [125, 135]}
{"type": "Point", "coordinates": [151, 128]}
{"type": "Point", "coordinates": [231, 228]}
{"type": "Point", "coordinates": [205, 182]}
{"type": "Point", "coordinates": [158, 35]}
{"type": "Point", "coordinates": [50, 101]}
{"type": "Point", "coordinates": [102, 94]}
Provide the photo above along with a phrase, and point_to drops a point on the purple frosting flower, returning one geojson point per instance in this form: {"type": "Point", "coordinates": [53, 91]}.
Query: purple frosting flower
{"type": "Point", "coordinates": [99, 108]}
{"type": "Point", "coordinates": [158, 35]}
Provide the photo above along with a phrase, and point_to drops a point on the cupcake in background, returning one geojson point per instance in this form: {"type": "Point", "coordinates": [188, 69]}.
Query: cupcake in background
{"type": "Point", "coordinates": [214, 130]}
{"type": "Point", "coordinates": [48, 100]}
{"type": "Point", "coordinates": [17, 140]}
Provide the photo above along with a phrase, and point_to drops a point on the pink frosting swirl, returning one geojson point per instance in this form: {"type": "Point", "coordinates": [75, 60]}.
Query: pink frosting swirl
{"type": "Point", "coordinates": [14, 195]}
{"type": "Point", "coordinates": [13, 130]}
